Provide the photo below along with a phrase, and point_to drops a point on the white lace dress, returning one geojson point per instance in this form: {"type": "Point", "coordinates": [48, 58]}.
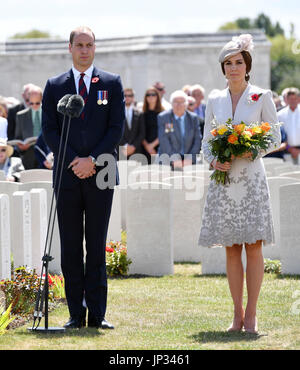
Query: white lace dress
{"type": "Point", "coordinates": [240, 211]}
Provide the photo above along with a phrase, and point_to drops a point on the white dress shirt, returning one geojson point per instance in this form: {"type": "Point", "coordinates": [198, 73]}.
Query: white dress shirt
{"type": "Point", "coordinates": [129, 114]}
{"type": "Point", "coordinates": [87, 78]}
{"type": "Point", "coordinates": [291, 124]}
{"type": "Point", "coordinates": [3, 127]}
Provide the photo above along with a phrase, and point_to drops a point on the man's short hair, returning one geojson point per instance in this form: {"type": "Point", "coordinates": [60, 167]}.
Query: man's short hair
{"type": "Point", "coordinates": [81, 29]}
{"type": "Point", "coordinates": [35, 90]}
{"type": "Point", "coordinates": [197, 87]}
{"type": "Point", "coordinates": [290, 91]}
{"type": "Point", "coordinates": [179, 94]}
{"type": "Point", "coordinates": [129, 89]}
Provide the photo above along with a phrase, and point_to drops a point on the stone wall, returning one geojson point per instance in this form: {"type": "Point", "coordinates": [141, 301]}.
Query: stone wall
{"type": "Point", "coordinates": [174, 59]}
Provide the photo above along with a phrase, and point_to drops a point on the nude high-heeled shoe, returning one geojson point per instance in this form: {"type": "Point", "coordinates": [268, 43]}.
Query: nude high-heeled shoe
{"type": "Point", "coordinates": [236, 326]}
{"type": "Point", "coordinates": [252, 329]}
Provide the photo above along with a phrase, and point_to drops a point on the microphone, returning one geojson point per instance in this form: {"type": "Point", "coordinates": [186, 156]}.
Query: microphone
{"type": "Point", "coordinates": [74, 106]}
{"type": "Point", "coordinates": [61, 105]}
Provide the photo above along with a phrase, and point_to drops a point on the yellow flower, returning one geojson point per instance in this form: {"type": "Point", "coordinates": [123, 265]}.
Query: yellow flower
{"type": "Point", "coordinates": [256, 130]}
{"type": "Point", "coordinates": [222, 129]}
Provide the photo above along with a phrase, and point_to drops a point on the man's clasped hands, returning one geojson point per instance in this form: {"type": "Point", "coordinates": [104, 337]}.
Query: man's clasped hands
{"type": "Point", "coordinates": [83, 167]}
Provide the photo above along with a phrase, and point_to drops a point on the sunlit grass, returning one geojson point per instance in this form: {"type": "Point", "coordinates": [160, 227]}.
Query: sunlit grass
{"type": "Point", "coordinates": [184, 311]}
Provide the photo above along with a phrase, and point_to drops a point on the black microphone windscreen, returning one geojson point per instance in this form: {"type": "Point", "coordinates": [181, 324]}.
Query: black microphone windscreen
{"type": "Point", "coordinates": [61, 105]}
{"type": "Point", "coordinates": [75, 106]}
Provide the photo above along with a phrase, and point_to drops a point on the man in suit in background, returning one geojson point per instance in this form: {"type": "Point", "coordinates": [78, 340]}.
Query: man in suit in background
{"type": "Point", "coordinates": [28, 124]}
{"type": "Point", "coordinates": [179, 132]}
{"type": "Point", "coordinates": [134, 132]}
{"type": "Point", "coordinates": [197, 92]}
{"type": "Point", "coordinates": [83, 208]}
{"type": "Point", "coordinates": [12, 112]}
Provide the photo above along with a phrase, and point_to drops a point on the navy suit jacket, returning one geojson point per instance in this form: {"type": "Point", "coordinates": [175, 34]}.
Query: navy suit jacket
{"type": "Point", "coordinates": [98, 133]}
{"type": "Point", "coordinates": [170, 142]}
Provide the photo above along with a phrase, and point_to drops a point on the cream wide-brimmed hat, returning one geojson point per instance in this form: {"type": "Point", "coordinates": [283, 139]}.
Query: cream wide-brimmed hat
{"type": "Point", "coordinates": [238, 44]}
{"type": "Point", "coordinates": [9, 148]}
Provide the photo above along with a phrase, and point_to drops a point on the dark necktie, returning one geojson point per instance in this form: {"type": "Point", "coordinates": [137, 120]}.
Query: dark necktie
{"type": "Point", "coordinates": [82, 91]}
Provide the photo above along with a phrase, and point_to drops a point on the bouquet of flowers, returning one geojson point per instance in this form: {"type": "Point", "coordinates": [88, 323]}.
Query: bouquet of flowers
{"type": "Point", "coordinates": [231, 141]}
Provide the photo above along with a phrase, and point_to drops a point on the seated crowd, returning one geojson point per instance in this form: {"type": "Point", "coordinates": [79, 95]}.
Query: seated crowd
{"type": "Point", "coordinates": [153, 126]}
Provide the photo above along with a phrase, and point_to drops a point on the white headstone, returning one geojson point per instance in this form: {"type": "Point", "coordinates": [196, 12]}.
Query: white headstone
{"type": "Point", "coordinates": [125, 167]}
{"type": "Point", "coordinates": [21, 229]}
{"type": "Point", "coordinates": [55, 264]}
{"type": "Point", "coordinates": [149, 230]}
{"type": "Point", "coordinates": [294, 174]}
{"type": "Point", "coordinates": [274, 183]}
{"type": "Point", "coordinates": [115, 221]}
{"type": "Point", "coordinates": [5, 242]}
{"type": "Point", "coordinates": [277, 171]}
{"type": "Point", "coordinates": [273, 160]}
{"type": "Point", "coordinates": [214, 260]}
{"type": "Point", "coordinates": [35, 175]}
{"type": "Point", "coordinates": [188, 195]}
{"type": "Point", "coordinates": [7, 187]}
{"type": "Point", "coordinates": [147, 174]}
{"type": "Point", "coordinates": [39, 226]}
{"type": "Point", "coordinates": [275, 168]}
{"type": "Point", "coordinates": [289, 228]}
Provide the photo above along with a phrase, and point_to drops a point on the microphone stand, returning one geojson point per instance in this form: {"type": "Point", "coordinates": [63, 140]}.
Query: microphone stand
{"type": "Point", "coordinates": [43, 294]}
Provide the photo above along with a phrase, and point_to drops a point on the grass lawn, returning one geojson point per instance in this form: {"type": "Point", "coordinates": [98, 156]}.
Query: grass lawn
{"type": "Point", "coordinates": [186, 311]}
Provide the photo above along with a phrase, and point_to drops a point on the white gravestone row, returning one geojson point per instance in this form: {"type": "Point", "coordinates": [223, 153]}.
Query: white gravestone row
{"type": "Point", "coordinates": [276, 168]}
{"type": "Point", "coordinates": [275, 183]}
{"type": "Point", "coordinates": [289, 228]}
{"type": "Point", "coordinates": [25, 224]}
{"type": "Point", "coordinates": [54, 265]}
{"type": "Point", "coordinates": [5, 266]}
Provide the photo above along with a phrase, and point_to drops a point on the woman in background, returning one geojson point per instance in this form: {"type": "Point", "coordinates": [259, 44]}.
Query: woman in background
{"type": "Point", "coordinates": [151, 108]}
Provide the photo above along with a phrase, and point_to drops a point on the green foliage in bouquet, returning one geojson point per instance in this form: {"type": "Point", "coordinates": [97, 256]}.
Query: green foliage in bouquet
{"type": "Point", "coordinates": [230, 141]}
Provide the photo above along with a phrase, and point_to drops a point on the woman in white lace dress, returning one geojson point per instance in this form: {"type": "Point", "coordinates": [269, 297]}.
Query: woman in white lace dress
{"type": "Point", "coordinates": [239, 212]}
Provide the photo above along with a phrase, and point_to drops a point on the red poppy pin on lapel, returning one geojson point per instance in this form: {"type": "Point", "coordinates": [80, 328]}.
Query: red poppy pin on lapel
{"type": "Point", "coordinates": [254, 98]}
{"type": "Point", "coordinates": [95, 80]}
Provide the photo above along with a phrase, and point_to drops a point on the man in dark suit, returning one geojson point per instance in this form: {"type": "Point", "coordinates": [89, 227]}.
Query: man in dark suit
{"type": "Point", "coordinates": [134, 132]}
{"type": "Point", "coordinates": [12, 112]}
{"type": "Point", "coordinates": [179, 133]}
{"type": "Point", "coordinates": [28, 124]}
{"type": "Point", "coordinates": [96, 133]}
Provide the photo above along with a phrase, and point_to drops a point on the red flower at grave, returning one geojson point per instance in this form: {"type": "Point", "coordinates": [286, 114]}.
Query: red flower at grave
{"type": "Point", "coordinates": [109, 250]}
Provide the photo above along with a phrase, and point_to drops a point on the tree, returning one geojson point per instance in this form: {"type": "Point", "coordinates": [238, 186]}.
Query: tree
{"type": "Point", "coordinates": [285, 63]}
{"type": "Point", "coordinates": [33, 34]}
{"type": "Point", "coordinates": [262, 21]}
